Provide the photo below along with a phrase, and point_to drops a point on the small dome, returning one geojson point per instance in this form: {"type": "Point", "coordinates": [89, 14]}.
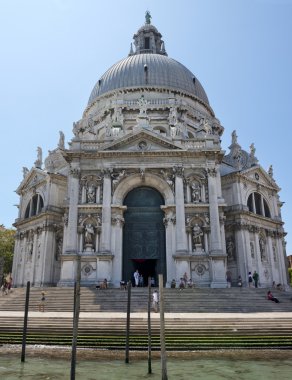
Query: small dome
{"type": "Point", "coordinates": [149, 70]}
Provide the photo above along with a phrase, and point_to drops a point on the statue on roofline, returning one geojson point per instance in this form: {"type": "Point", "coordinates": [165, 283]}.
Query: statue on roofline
{"type": "Point", "coordinates": [148, 17]}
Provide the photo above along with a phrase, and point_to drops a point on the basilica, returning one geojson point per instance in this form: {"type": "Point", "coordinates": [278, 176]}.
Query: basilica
{"type": "Point", "coordinates": [144, 184]}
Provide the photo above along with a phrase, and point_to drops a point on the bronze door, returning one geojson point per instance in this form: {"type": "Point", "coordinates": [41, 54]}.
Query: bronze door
{"type": "Point", "coordinates": [144, 235]}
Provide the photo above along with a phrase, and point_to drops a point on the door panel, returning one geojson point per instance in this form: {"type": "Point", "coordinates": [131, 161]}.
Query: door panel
{"type": "Point", "coordinates": [144, 234]}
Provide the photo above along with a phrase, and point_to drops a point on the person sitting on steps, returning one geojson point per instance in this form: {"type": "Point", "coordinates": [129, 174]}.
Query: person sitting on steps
{"type": "Point", "coordinates": [271, 297]}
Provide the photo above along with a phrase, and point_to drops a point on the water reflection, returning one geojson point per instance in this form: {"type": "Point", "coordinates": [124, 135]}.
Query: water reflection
{"type": "Point", "coordinates": [200, 369]}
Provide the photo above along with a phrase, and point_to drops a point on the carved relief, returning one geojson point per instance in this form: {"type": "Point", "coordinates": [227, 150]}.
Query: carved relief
{"type": "Point", "coordinates": [274, 254]}
{"type": "Point", "coordinates": [87, 270]}
{"type": "Point", "coordinates": [178, 171]}
{"type": "Point", "coordinates": [169, 220]}
{"type": "Point", "coordinates": [252, 252]}
{"type": "Point", "coordinates": [212, 172]}
{"type": "Point", "coordinates": [200, 269]}
{"type": "Point", "coordinates": [117, 178]}
{"type": "Point", "coordinates": [169, 178]}
{"type": "Point", "coordinates": [118, 220]}
{"type": "Point", "coordinates": [75, 172]}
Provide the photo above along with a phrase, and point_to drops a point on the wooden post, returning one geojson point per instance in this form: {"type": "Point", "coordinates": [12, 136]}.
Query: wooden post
{"type": "Point", "coordinates": [25, 322]}
{"type": "Point", "coordinates": [128, 322]}
{"type": "Point", "coordinates": [149, 325]}
{"type": "Point", "coordinates": [162, 329]}
{"type": "Point", "coordinates": [75, 318]}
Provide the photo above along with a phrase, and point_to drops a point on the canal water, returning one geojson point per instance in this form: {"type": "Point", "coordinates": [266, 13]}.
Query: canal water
{"type": "Point", "coordinates": [178, 369]}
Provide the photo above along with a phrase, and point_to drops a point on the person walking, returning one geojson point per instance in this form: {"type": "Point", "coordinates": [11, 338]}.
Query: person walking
{"type": "Point", "coordinates": [136, 277]}
{"type": "Point", "coordinates": [42, 302]}
{"type": "Point", "coordinates": [255, 277]}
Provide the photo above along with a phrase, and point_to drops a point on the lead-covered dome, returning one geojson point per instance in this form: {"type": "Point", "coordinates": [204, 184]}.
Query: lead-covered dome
{"type": "Point", "coordinates": [149, 70]}
{"type": "Point", "coordinates": [149, 66]}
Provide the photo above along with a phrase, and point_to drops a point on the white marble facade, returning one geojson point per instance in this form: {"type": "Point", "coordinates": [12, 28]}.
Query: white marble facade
{"type": "Point", "coordinates": [148, 125]}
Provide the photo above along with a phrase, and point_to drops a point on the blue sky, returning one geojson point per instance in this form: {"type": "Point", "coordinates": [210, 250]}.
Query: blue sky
{"type": "Point", "coordinates": [54, 51]}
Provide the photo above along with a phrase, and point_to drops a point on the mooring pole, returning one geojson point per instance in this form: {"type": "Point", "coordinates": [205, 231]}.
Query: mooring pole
{"type": "Point", "coordinates": [128, 321]}
{"type": "Point", "coordinates": [149, 325]}
{"type": "Point", "coordinates": [75, 318]}
{"type": "Point", "coordinates": [162, 330]}
{"type": "Point", "coordinates": [25, 321]}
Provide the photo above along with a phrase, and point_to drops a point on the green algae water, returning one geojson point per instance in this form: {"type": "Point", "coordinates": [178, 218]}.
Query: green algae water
{"type": "Point", "coordinates": [178, 369]}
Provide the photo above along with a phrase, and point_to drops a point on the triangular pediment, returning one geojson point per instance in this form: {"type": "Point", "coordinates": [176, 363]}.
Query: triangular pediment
{"type": "Point", "coordinates": [142, 140]}
{"type": "Point", "coordinates": [32, 179]}
{"type": "Point", "coordinates": [259, 175]}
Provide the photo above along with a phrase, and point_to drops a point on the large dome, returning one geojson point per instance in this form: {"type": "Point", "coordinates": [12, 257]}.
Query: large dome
{"type": "Point", "coordinates": [149, 70]}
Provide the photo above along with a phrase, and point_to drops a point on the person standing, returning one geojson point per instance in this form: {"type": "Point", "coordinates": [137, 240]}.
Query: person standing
{"type": "Point", "coordinates": [155, 301]}
{"type": "Point", "coordinates": [136, 277]}
{"type": "Point", "coordinates": [239, 283]}
{"type": "Point", "coordinates": [249, 279]}
{"type": "Point", "coordinates": [42, 302]}
{"type": "Point", "coordinates": [255, 278]}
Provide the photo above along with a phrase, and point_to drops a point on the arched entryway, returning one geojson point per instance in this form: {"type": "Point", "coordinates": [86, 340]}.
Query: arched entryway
{"type": "Point", "coordinates": [144, 235]}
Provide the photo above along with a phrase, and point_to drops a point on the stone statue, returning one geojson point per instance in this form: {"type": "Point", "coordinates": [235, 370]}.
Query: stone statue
{"type": "Point", "coordinates": [76, 128]}
{"type": "Point", "coordinates": [196, 192]}
{"type": "Point", "coordinates": [230, 248]}
{"type": "Point", "coordinates": [207, 127]}
{"type": "Point", "coordinates": [142, 103]}
{"type": "Point", "coordinates": [61, 143]}
{"type": "Point", "coordinates": [39, 161]}
{"type": "Point", "coordinates": [148, 17]}
{"type": "Point", "coordinates": [271, 171]}
{"type": "Point", "coordinates": [91, 193]}
{"type": "Point", "coordinates": [234, 137]}
{"type": "Point", "coordinates": [172, 116]}
{"type": "Point", "coordinates": [88, 234]}
{"type": "Point", "coordinates": [262, 248]}
{"type": "Point", "coordinates": [197, 234]}
{"type": "Point", "coordinates": [172, 130]}
{"type": "Point", "coordinates": [252, 150]}
{"type": "Point", "coordinates": [24, 171]}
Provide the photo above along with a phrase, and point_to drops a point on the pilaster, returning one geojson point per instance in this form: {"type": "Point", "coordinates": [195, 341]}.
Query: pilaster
{"type": "Point", "coordinates": [181, 236]}
{"type": "Point", "coordinates": [71, 231]}
{"type": "Point", "coordinates": [105, 243]}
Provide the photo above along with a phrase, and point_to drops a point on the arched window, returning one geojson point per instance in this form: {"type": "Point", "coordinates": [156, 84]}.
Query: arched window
{"type": "Point", "coordinates": [258, 205]}
{"type": "Point", "coordinates": [34, 206]}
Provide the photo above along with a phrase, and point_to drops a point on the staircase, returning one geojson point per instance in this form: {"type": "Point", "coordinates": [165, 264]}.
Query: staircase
{"type": "Point", "coordinates": [195, 318]}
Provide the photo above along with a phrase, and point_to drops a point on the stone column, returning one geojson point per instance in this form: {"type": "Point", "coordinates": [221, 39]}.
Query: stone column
{"type": "Point", "coordinates": [49, 249]}
{"type": "Point", "coordinates": [218, 257]}
{"type": "Point", "coordinates": [270, 255]}
{"type": "Point", "coordinates": [169, 223]}
{"type": "Point", "coordinates": [71, 231]}
{"type": "Point", "coordinates": [216, 245]}
{"type": "Point", "coordinates": [281, 257]}
{"type": "Point", "coordinates": [105, 243]}
{"type": "Point", "coordinates": [40, 256]}
{"type": "Point", "coordinates": [181, 235]}
{"type": "Point", "coordinates": [117, 244]}
{"type": "Point", "coordinates": [33, 259]}
{"type": "Point", "coordinates": [24, 259]}
{"type": "Point", "coordinates": [244, 262]}
{"type": "Point", "coordinates": [16, 259]}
